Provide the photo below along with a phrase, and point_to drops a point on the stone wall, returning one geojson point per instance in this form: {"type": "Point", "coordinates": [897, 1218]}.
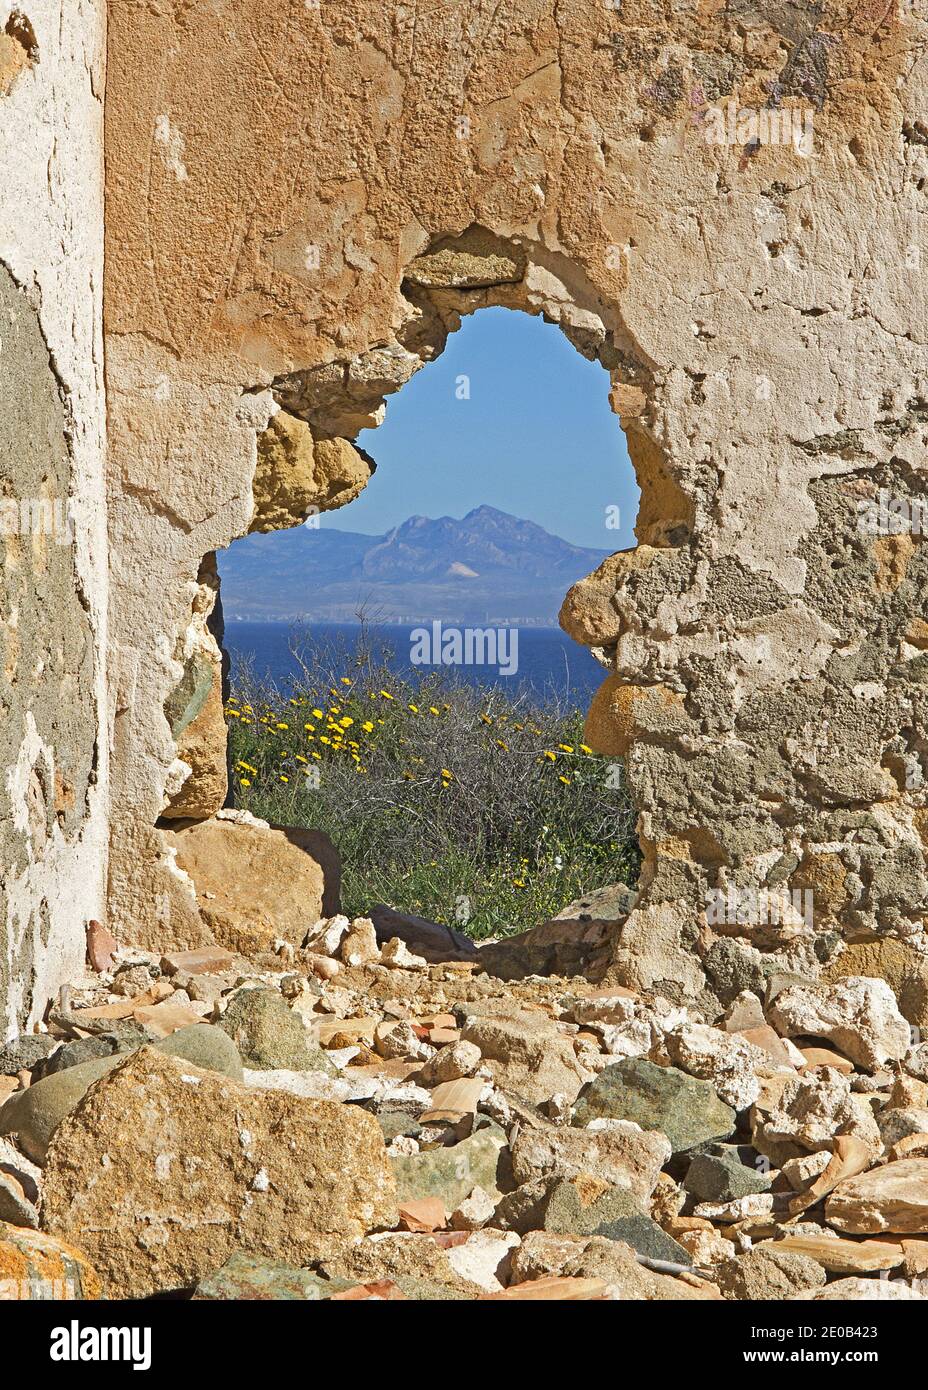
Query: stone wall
{"type": "Point", "coordinates": [301, 201]}
{"type": "Point", "coordinates": [53, 764]}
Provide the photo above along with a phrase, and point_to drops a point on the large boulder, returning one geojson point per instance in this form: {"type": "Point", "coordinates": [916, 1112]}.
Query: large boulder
{"type": "Point", "coordinates": [807, 1115]}
{"type": "Point", "coordinates": [164, 1169]}
{"type": "Point", "coordinates": [553, 948]}
{"type": "Point", "coordinates": [256, 884]}
{"type": "Point", "coordinates": [33, 1115]}
{"type": "Point", "coordinates": [568, 944]}
{"type": "Point", "coordinates": [432, 941]}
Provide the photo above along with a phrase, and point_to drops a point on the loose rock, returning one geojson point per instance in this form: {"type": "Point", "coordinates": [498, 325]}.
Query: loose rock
{"type": "Point", "coordinates": [891, 1198]}
{"type": "Point", "coordinates": [767, 1272]}
{"type": "Point", "coordinates": [164, 1169]}
{"type": "Point", "coordinates": [859, 1015]}
{"type": "Point", "coordinates": [269, 1035]}
{"type": "Point", "coordinates": [687, 1110]}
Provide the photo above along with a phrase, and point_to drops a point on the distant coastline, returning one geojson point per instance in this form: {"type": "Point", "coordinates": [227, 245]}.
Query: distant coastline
{"type": "Point", "coordinates": [487, 568]}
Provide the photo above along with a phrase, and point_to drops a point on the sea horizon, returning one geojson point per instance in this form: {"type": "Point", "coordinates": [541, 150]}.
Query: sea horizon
{"type": "Point", "coordinates": [549, 663]}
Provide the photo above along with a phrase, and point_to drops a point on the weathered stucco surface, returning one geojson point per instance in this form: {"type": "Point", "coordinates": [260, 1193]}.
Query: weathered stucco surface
{"type": "Point", "coordinates": [301, 201]}
{"type": "Point", "coordinates": [53, 767]}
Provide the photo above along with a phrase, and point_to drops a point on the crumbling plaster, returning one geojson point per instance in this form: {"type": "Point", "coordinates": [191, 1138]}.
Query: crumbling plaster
{"type": "Point", "coordinates": [273, 176]}
{"type": "Point", "coordinates": [53, 780]}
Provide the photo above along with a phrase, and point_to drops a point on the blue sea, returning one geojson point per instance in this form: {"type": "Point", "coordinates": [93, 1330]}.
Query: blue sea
{"type": "Point", "coordinates": [548, 663]}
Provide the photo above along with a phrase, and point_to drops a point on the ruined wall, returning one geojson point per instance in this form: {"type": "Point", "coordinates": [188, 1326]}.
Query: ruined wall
{"type": "Point", "coordinates": [301, 200]}
{"type": "Point", "coordinates": [53, 813]}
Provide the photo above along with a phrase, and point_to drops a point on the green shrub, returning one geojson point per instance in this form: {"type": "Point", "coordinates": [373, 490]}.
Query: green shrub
{"type": "Point", "coordinates": [477, 807]}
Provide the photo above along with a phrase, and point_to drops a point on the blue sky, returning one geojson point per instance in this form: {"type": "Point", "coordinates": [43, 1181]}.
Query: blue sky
{"type": "Point", "coordinates": [536, 438]}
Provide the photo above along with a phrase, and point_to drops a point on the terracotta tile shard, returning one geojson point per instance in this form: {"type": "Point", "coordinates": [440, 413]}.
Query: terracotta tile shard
{"type": "Point", "coordinates": [423, 1214]}
{"type": "Point", "coordinates": [449, 1239]}
{"type": "Point", "coordinates": [455, 1098]}
{"type": "Point", "coordinates": [553, 1289]}
{"type": "Point", "coordinates": [381, 1289]}
{"type": "Point", "coordinates": [768, 1041]}
{"type": "Point", "coordinates": [825, 1057]}
{"type": "Point", "coordinates": [439, 1036]}
{"type": "Point", "coordinates": [101, 946]}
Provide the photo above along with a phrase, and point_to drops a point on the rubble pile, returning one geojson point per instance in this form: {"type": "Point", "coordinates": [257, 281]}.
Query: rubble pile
{"type": "Point", "coordinates": [355, 1118]}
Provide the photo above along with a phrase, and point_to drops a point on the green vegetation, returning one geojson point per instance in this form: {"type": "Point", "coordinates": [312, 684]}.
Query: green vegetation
{"type": "Point", "coordinates": [475, 807]}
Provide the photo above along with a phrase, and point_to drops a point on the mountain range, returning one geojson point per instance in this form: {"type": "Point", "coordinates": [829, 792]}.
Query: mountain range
{"type": "Point", "coordinates": [486, 567]}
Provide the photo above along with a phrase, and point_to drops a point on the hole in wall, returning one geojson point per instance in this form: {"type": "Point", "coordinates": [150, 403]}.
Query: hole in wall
{"type": "Point", "coordinates": [451, 833]}
{"type": "Point", "coordinates": [468, 795]}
